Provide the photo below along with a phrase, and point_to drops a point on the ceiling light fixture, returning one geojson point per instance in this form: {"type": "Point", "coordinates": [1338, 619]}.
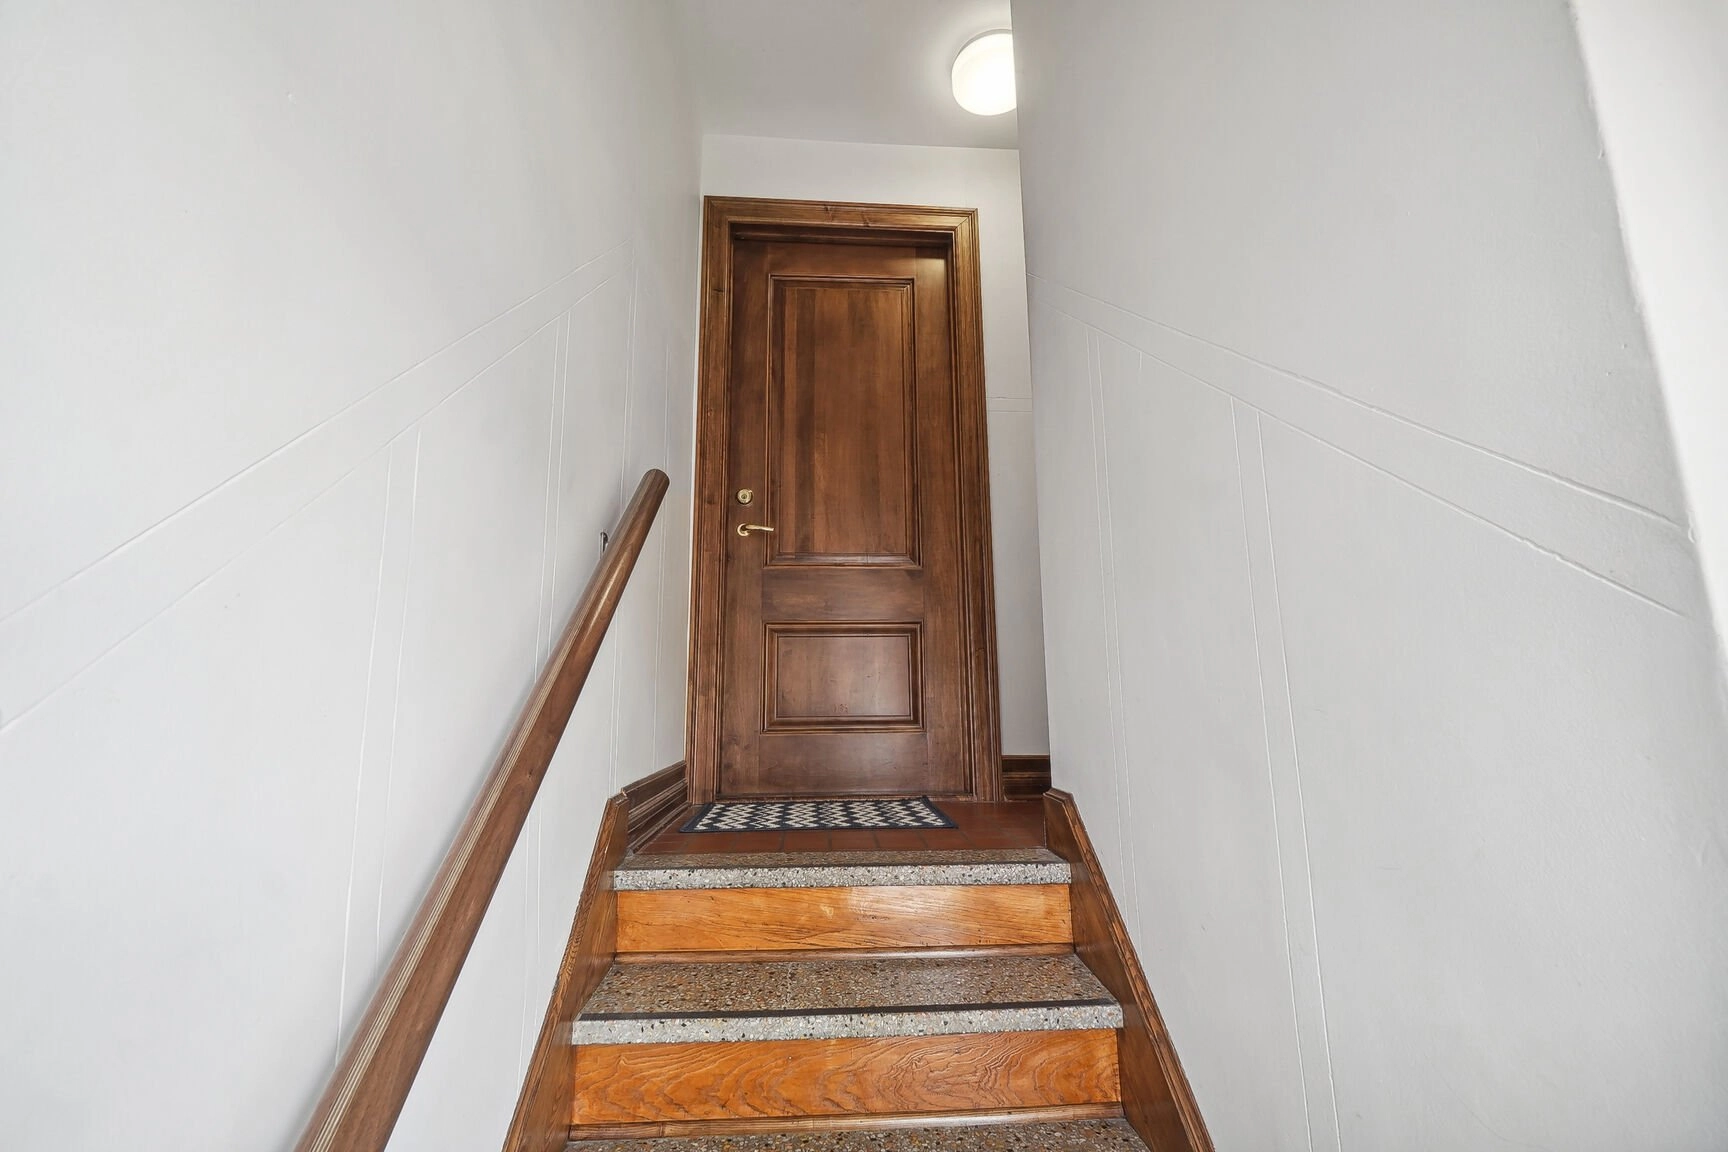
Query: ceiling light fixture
{"type": "Point", "coordinates": [984, 74]}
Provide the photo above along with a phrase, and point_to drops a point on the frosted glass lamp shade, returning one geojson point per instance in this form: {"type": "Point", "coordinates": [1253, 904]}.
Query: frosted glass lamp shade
{"type": "Point", "coordinates": [984, 74]}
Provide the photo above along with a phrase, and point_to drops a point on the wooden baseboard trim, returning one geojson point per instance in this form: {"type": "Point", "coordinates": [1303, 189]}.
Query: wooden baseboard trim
{"type": "Point", "coordinates": [764, 1125]}
{"type": "Point", "coordinates": [655, 802]}
{"type": "Point", "coordinates": [1156, 1096]}
{"type": "Point", "coordinates": [1025, 777]}
{"type": "Point", "coordinates": [542, 1119]}
{"type": "Point", "coordinates": [543, 1109]}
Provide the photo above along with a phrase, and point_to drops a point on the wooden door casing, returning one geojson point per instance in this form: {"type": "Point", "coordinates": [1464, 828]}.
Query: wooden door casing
{"type": "Point", "coordinates": [850, 652]}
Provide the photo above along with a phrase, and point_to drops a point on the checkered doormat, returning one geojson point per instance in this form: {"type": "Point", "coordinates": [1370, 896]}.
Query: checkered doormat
{"type": "Point", "coordinates": [816, 815]}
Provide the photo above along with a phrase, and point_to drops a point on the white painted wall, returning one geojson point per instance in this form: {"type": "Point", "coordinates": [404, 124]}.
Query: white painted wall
{"type": "Point", "coordinates": [1659, 78]}
{"type": "Point", "coordinates": [334, 334]}
{"type": "Point", "coordinates": [1379, 656]}
{"type": "Point", "coordinates": [987, 179]}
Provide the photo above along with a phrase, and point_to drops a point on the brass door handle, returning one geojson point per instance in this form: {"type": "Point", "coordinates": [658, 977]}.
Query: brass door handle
{"type": "Point", "coordinates": [746, 529]}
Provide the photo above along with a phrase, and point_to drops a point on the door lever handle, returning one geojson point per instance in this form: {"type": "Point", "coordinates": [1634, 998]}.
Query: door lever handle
{"type": "Point", "coordinates": [746, 529]}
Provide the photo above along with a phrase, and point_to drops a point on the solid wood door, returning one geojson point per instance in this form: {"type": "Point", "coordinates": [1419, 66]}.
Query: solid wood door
{"type": "Point", "coordinates": [843, 662]}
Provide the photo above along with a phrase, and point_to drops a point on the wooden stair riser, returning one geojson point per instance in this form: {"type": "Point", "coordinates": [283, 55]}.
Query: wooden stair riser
{"type": "Point", "coordinates": [810, 919]}
{"type": "Point", "coordinates": [645, 1083]}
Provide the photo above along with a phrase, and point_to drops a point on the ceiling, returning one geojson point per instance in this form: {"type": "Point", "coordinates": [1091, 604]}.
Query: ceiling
{"type": "Point", "coordinates": [872, 71]}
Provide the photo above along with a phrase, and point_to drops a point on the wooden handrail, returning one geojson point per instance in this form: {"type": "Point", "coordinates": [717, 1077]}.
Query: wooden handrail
{"type": "Point", "coordinates": [366, 1093]}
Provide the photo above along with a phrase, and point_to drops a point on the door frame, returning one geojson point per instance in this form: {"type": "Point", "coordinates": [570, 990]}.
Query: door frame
{"type": "Point", "coordinates": [725, 222]}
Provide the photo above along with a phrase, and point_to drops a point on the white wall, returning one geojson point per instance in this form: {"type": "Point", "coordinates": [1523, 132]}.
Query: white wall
{"type": "Point", "coordinates": [987, 179]}
{"type": "Point", "coordinates": [1659, 78]}
{"type": "Point", "coordinates": [335, 333]}
{"type": "Point", "coordinates": [1379, 656]}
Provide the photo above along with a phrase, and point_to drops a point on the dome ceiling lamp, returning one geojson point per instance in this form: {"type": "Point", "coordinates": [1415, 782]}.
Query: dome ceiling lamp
{"type": "Point", "coordinates": [983, 75]}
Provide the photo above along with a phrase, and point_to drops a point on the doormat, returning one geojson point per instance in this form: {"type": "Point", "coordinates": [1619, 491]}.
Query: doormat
{"type": "Point", "coordinates": [816, 815]}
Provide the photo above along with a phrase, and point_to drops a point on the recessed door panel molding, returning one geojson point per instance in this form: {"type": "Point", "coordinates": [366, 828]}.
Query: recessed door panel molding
{"type": "Point", "coordinates": [843, 632]}
{"type": "Point", "coordinates": [840, 677]}
{"type": "Point", "coordinates": [842, 421]}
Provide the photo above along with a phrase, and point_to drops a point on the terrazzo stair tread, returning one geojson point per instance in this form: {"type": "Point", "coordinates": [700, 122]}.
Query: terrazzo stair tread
{"type": "Point", "coordinates": [1064, 1136]}
{"type": "Point", "coordinates": [671, 1002]}
{"type": "Point", "coordinates": [880, 868]}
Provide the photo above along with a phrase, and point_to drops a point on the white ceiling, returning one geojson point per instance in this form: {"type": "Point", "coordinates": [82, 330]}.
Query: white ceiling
{"type": "Point", "coordinates": [873, 71]}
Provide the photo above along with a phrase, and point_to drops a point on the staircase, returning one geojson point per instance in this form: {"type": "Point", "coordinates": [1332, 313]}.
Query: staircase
{"type": "Point", "coordinates": [861, 989]}
{"type": "Point", "coordinates": [878, 1000]}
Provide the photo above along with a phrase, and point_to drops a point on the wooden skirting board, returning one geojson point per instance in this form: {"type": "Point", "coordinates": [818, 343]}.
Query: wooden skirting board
{"type": "Point", "coordinates": [799, 919]}
{"type": "Point", "coordinates": [635, 815]}
{"type": "Point", "coordinates": [1155, 1092]}
{"type": "Point", "coordinates": [655, 802]}
{"type": "Point", "coordinates": [624, 1083]}
{"type": "Point", "coordinates": [1025, 777]}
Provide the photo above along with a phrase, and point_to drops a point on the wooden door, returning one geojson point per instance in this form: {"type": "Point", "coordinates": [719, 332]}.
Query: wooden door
{"type": "Point", "coordinates": [842, 631]}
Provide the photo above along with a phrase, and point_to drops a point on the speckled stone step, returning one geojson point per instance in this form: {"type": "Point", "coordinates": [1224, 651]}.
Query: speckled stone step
{"type": "Point", "coordinates": [1071, 1136]}
{"type": "Point", "coordinates": [652, 873]}
{"type": "Point", "coordinates": [826, 999]}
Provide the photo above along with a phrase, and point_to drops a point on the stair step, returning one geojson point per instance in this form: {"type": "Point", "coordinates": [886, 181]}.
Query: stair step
{"type": "Point", "coordinates": [1065, 1136]}
{"type": "Point", "coordinates": [652, 873]}
{"type": "Point", "coordinates": [825, 999]}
